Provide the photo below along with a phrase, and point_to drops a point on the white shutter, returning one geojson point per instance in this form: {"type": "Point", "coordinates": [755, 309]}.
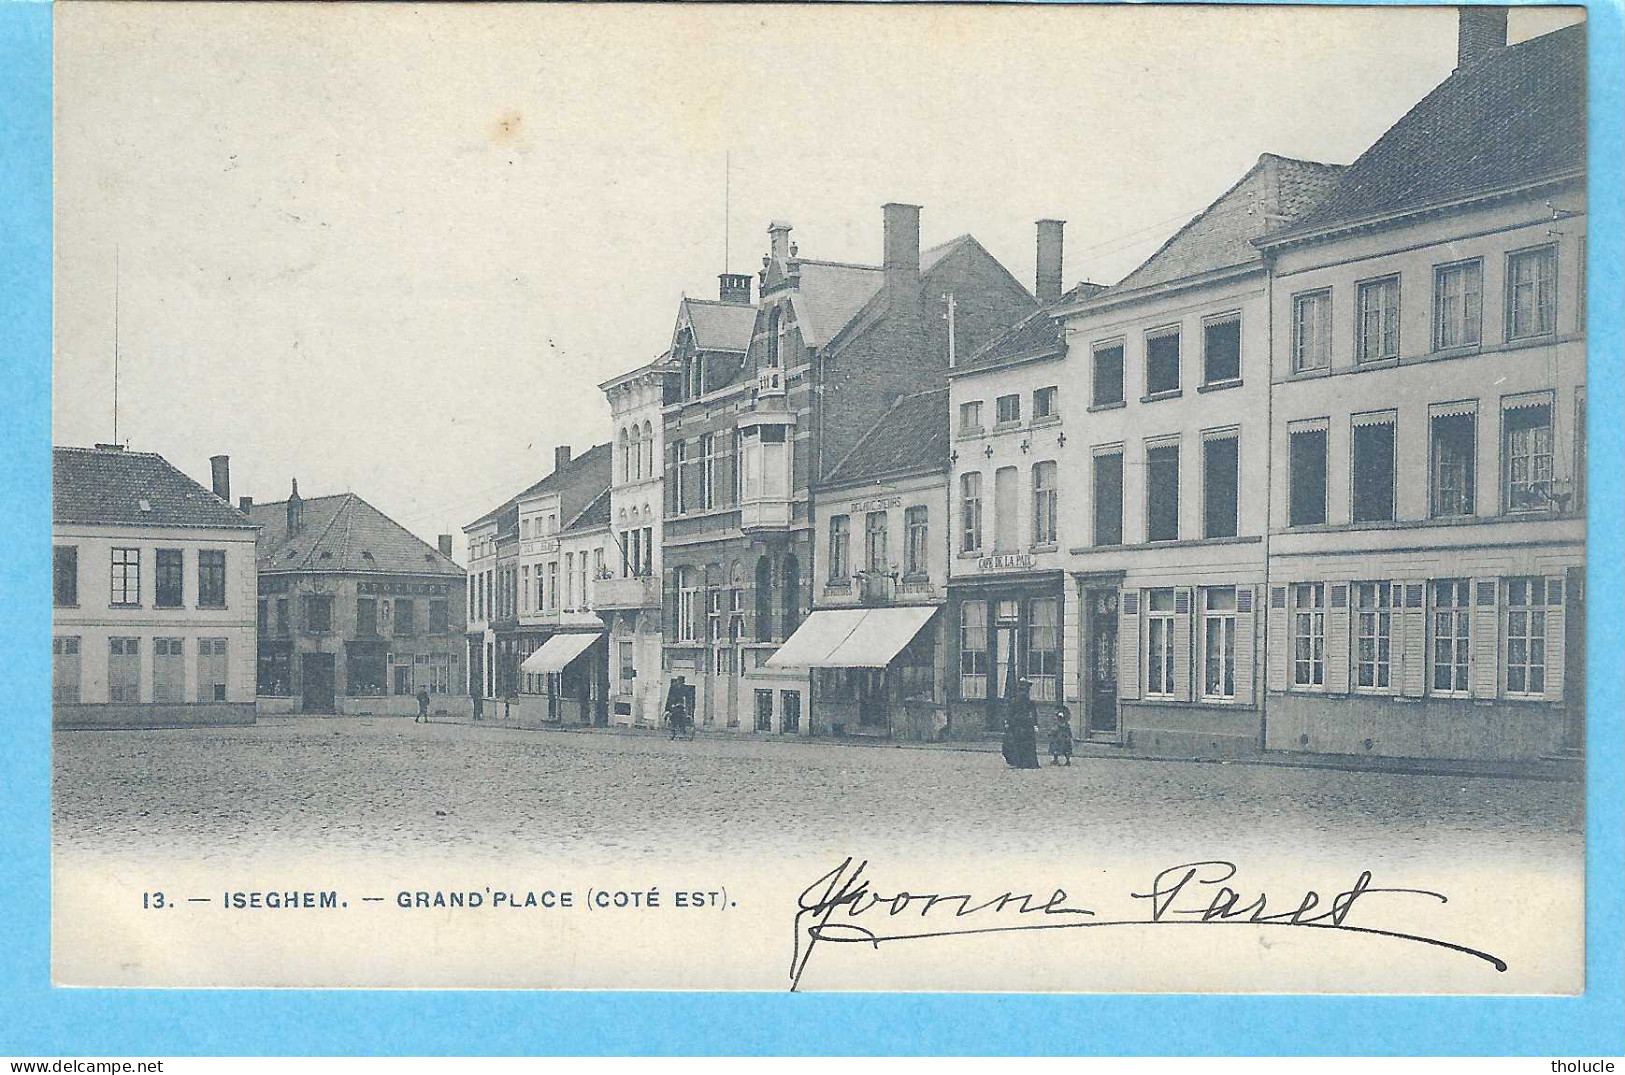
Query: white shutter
{"type": "Point", "coordinates": [1128, 645]}
{"type": "Point", "coordinates": [1486, 666]}
{"type": "Point", "coordinates": [1555, 628]}
{"type": "Point", "coordinates": [1182, 643]}
{"type": "Point", "coordinates": [1337, 637]}
{"type": "Point", "coordinates": [1413, 621]}
{"type": "Point", "coordinates": [1244, 645]}
{"type": "Point", "coordinates": [1276, 643]}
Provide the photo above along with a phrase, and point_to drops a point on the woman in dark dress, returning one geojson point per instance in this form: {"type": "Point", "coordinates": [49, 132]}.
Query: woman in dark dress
{"type": "Point", "coordinates": [1021, 730]}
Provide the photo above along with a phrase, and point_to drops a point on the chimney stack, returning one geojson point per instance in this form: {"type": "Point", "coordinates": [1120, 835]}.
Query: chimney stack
{"type": "Point", "coordinates": [779, 239]}
{"type": "Point", "coordinates": [1049, 259]}
{"type": "Point", "coordinates": [444, 542]}
{"type": "Point", "coordinates": [901, 226]}
{"type": "Point", "coordinates": [561, 457]}
{"type": "Point", "coordinates": [1480, 31]}
{"type": "Point", "coordinates": [296, 510]}
{"type": "Point", "coordinates": [220, 470]}
{"type": "Point", "coordinates": [245, 504]}
{"type": "Point", "coordinates": [734, 288]}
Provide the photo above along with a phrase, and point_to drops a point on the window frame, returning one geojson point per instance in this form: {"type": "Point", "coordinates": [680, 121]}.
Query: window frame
{"type": "Point", "coordinates": [1316, 611]}
{"type": "Point", "coordinates": [1529, 609]}
{"type": "Point", "coordinates": [1461, 649]}
{"type": "Point", "coordinates": [1120, 345]}
{"type": "Point", "coordinates": [1383, 615]}
{"type": "Point", "coordinates": [1476, 322]}
{"type": "Point", "coordinates": [1468, 493]}
{"type": "Point", "coordinates": [173, 562]}
{"type": "Point", "coordinates": [1389, 418]}
{"type": "Point", "coordinates": [1324, 326]}
{"type": "Point", "coordinates": [1506, 455]}
{"type": "Point", "coordinates": [1212, 321]}
{"type": "Point", "coordinates": [967, 653]}
{"type": "Point", "coordinates": [1108, 452]}
{"type": "Point", "coordinates": [1046, 404]}
{"type": "Point", "coordinates": [1160, 445]}
{"type": "Point", "coordinates": [876, 542]}
{"type": "Point", "coordinates": [916, 540]}
{"type": "Point", "coordinates": [207, 562]}
{"type": "Point", "coordinates": [127, 572]}
{"type": "Point", "coordinates": [1226, 619]}
{"type": "Point", "coordinates": [1046, 504]}
{"type": "Point", "coordinates": [64, 576]}
{"type": "Point", "coordinates": [1378, 285]}
{"type": "Point", "coordinates": [1159, 618]}
{"type": "Point", "coordinates": [971, 536]}
{"type": "Point", "coordinates": [1176, 333]}
{"type": "Point", "coordinates": [840, 552]}
{"type": "Point", "coordinates": [1211, 436]}
{"type": "Point", "coordinates": [970, 417]}
{"type": "Point", "coordinates": [1010, 401]}
{"type": "Point", "coordinates": [1514, 258]}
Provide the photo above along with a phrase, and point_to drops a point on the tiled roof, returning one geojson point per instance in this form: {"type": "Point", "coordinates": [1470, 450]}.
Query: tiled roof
{"type": "Point", "coordinates": [108, 486]}
{"type": "Point", "coordinates": [594, 515]}
{"type": "Point", "coordinates": [911, 435]}
{"type": "Point", "coordinates": [578, 482]}
{"type": "Point", "coordinates": [830, 294]}
{"type": "Point", "coordinates": [720, 326]}
{"type": "Point", "coordinates": [1039, 333]}
{"type": "Point", "coordinates": [1515, 117]}
{"type": "Point", "coordinates": [342, 533]}
{"type": "Point", "coordinates": [1221, 236]}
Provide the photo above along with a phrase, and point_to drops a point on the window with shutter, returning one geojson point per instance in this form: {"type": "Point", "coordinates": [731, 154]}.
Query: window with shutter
{"type": "Point", "coordinates": [1337, 639]}
{"type": "Point", "coordinates": [1182, 643]}
{"type": "Point", "coordinates": [1413, 646]}
{"type": "Point", "coordinates": [1245, 647]}
{"type": "Point", "coordinates": [1128, 645]}
{"type": "Point", "coordinates": [1277, 644]}
{"type": "Point", "coordinates": [1486, 638]}
{"type": "Point", "coordinates": [1160, 618]}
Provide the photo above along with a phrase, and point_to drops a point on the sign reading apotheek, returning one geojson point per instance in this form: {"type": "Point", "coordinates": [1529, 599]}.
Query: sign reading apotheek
{"type": "Point", "coordinates": [1010, 561]}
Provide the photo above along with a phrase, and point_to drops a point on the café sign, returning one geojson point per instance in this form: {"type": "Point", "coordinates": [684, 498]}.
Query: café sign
{"type": "Point", "coordinates": [1010, 561]}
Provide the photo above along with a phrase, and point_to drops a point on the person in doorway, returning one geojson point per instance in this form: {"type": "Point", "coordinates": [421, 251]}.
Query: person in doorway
{"type": "Point", "coordinates": [1021, 729]}
{"type": "Point", "coordinates": [423, 706]}
{"type": "Point", "coordinates": [677, 715]}
{"type": "Point", "coordinates": [1060, 737]}
{"type": "Point", "coordinates": [479, 706]}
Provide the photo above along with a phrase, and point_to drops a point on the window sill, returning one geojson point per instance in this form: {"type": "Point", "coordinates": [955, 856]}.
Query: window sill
{"type": "Point", "coordinates": [970, 434]}
{"type": "Point", "coordinates": [1220, 386]}
{"type": "Point", "coordinates": [1311, 374]}
{"type": "Point", "coordinates": [1167, 393]}
{"type": "Point", "coordinates": [1046, 420]}
{"type": "Point", "coordinates": [1006, 427]}
{"type": "Point", "coordinates": [1047, 546]}
{"type": "Point", "coordinates": [1115, 405]}
{"type": "Point", "coordinates": [210, 608]}
{"type": "Point", "coordinates": [61, 605]}
{"type": "Point", "coordinates": [117, 605]}
{"type": "Point", "coordinates": [1531, 337]}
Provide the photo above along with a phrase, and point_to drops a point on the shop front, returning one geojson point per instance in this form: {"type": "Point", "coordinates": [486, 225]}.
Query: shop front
{"type": "Point", "coordinates": [1001, 628]}
{"type": "Point", "coordinates": [565, 681]}
{"type": "Point", "coordinates": [875, 671]}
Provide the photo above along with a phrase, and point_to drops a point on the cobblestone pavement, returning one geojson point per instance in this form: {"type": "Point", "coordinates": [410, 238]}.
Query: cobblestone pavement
{"type": "Point", "coordinates": [387, 785]}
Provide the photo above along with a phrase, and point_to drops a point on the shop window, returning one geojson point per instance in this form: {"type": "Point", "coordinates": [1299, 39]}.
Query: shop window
{"type": "Point", "coordinates": [973, 655]}
{"type": "Point", "coordinates": [1219, 644]}
{"type": "Point", "coordinates": [1159, 644]}
{"type": "Point", "coordinates": [1044, 647]}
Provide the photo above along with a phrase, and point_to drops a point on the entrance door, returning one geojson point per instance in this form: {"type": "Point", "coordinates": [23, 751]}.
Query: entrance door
{"type": "Point", "coordinates": [317, 672]}
{"type": "Point", "coordinates": [1102, 667]}
{"type": "Point", "coordinates": [1003, 660]}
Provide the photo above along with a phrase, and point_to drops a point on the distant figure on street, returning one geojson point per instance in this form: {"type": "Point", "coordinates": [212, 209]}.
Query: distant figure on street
{"type": "Point", "coordinates": [423, 706]}
{"type": "Point", "coordinates": [1060, 737]}
{"type": "Point", "coordinates": [479, 706]}
{"type": "Point", "coordinates": [678, 717]}
{"type": "Point", "coordinates": [1021, 729]}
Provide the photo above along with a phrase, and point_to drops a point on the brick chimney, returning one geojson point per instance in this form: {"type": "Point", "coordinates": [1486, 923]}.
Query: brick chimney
{"type": "Point", "coordinates": [220, 471]}
{"type": "Point", "coordinates": [1480, 31]}
{"type": "Point", "coordinates": [444, 541]}
{"type": "Point", "coordinates": [561, 457]}
{"type": "Point", "coordinates": [901, 254]}
{"type": "Point", "coordinates": [245, 504]}
{"type": "Point", "coordinates": [734, 288]}
{"type": "Point", "coordinates": [296, 510]}
{"type": "Point", "coordinates": [779, 239]}
{"type": "Point", "coordinates": [1049, 259]}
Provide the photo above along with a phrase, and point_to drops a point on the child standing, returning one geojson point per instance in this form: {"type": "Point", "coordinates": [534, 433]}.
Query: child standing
{"type": "Point", "coordinates": [1060, 737]}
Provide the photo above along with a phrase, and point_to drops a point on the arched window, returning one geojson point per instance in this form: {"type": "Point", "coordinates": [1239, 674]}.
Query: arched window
{"type": "Point", "coordinates": [764, 600]}
{"type": "Point", "coordinates": [648, 450]}
{"type": "Point", "coordinates": [626, 459]}
{"type": "Point", "coordinates": [635, 461]}
{"type": "Point", "coordinates": [792, 595]}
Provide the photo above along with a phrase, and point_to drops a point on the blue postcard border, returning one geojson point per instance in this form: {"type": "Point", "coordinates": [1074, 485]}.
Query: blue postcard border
{"type": "Point", "coordinates": [40, 1020]}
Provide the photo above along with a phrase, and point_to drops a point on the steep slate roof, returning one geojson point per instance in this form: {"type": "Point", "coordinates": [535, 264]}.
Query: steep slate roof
{"type": "Point", "coordinates": [1221, 236]}
{"type": "Point", "coordinates": [830, 294]}
{"type": "Point", "coordinates": [342, 533]}
{"type": "Point", "coordinates": [594, 516]}
{"type": "Point", "coordinates": [720, 326]}
{"type": "Point", "coordinates": [1516, 116]}
{"type": "Point", "coordinates": [1039, 334]}
{"type": "Point", "coordinates": [911, 435]}
{"type": "Point", "coordinates": [106, 486]}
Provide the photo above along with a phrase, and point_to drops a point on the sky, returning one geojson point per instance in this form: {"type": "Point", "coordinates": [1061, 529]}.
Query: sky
{"type": "Point", "coordinates": [394, 250]}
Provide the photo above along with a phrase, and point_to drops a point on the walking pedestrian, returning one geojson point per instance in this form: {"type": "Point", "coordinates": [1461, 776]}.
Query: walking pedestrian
{"type": "Point", "coordinates": [423, 706]}
{"type": "Point", "coordinates": [1060, 737]}
{"type": "Point", "coordinates": [1021, 729]}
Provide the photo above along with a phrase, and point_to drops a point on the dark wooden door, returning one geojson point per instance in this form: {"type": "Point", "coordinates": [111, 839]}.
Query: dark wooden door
{"type": "Point", "coordinates": [317, 683]}
{"type": "Point", "coordinates": [1102, 670]}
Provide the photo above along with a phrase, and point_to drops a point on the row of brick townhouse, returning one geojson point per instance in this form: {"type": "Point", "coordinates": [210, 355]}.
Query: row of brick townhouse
{"type": "Point", "coordinates": [536, 646]}
{"type": "Point", "coordinates": [1312, 477]}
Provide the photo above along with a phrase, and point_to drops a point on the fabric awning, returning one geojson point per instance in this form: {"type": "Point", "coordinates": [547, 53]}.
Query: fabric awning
{"type": "Point", "coordinates": [557, 652]}
{"type": "Point", "coordinates": [819, 635]}
{"type": "Point", "coordinates": [852, 638]}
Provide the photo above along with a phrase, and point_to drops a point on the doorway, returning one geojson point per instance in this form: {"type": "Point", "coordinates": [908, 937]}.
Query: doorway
{"type": "Point", "coordinates": [316, 670]}
{"type": "Point", "coordinates": [1101, 671]}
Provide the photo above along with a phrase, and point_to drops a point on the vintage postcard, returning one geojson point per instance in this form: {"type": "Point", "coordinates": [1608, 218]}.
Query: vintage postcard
{"type": "Point", "coordinates": [1032, 498]}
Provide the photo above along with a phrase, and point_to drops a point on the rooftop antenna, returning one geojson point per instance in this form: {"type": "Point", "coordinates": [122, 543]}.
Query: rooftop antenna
{"type": "Point", "coordinates": [115, 340]}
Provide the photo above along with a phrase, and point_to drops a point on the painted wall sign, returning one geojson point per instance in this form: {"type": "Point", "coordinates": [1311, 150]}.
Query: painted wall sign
{"type": "Point", "coordinates": [880, 503]}
{"type": "Point", "coordinates": [1010, 561]}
